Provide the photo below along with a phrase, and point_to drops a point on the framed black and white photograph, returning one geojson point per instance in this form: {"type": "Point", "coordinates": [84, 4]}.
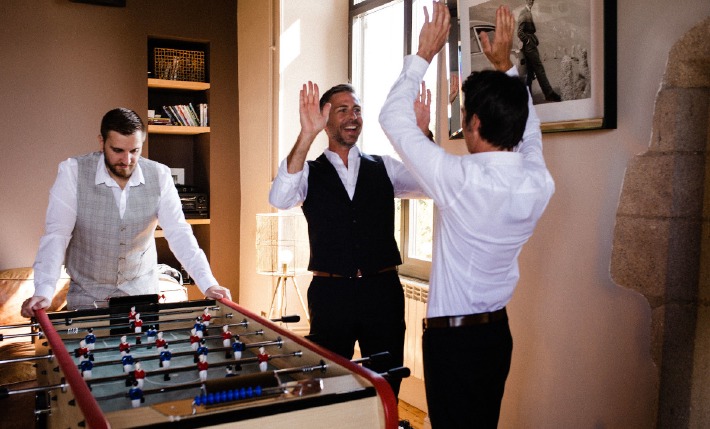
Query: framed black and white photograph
{"type": "Point", "coordinates": [565, 51]}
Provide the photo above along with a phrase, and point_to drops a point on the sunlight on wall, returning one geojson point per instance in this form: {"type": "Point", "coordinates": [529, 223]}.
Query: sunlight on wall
{"type": "Point", "coordinates": [290, 45]}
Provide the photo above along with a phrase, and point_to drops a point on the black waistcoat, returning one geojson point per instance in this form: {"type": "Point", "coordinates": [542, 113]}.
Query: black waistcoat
{"type": "Point", "coordinates": [349, 235]}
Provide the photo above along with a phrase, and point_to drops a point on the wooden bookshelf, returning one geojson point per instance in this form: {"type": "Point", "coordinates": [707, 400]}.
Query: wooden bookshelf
{"type": "Point", "coordinates": [177, 130]}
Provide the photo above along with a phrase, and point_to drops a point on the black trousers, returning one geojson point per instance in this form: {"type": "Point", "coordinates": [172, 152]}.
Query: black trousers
{"type": "Point", "coordinates": [536, 69]}
{"type": "Point", "coordinates": [464, 373]}
{"type": "Point", "coordinates": [369, 310]}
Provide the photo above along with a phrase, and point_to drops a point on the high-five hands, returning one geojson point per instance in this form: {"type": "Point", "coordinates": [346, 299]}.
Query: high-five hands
{"type": "Point", "coordinates": [313, 120]}
{"type": "Point", "coordinates": [434, 33]}
{"type": "Point", "coordinates": [498, 52]}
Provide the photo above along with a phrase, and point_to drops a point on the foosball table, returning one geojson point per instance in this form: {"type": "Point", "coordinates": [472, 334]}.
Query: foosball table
{"type": "Point", "coordinates": [205, 363]}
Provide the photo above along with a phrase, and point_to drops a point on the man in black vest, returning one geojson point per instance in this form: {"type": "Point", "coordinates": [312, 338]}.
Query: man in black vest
{"type": "Point", "coordinates": [348, 200]}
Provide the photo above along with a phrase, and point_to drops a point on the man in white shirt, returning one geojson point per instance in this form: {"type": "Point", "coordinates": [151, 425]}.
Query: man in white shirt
{"type": "Point", "coordinates": [488, 203]}
{"type": "Point", "coordinates": [348, 200]}
{"type": "Point", "coordinates": [103, 210]}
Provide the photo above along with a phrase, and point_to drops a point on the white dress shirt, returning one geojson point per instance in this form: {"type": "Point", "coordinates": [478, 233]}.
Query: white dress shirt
{"type": "Point", "coordinates": [61, 218]}
{"type": "Point", "coordinates": [290, 190]}
{"type": "Point", "coordinates": [488, 203]}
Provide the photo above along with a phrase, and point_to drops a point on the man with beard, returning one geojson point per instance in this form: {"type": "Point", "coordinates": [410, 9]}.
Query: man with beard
{"type": "Point", "coordinates": [103, 211]}
{"type": "Point", "coordinates": [348, 200]}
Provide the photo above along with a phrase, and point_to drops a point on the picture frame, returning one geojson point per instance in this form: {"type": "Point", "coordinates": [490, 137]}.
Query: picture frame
{"type": "Point", "coordinates": [575, 41]}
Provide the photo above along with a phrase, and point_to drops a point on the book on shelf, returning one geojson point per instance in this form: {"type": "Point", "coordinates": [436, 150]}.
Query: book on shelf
{"type": "Point", "coordinates": [186, 115]}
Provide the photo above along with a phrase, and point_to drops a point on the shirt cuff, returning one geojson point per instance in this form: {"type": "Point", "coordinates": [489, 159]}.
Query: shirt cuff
{"type": "Point", "coordinates": [45, 291]}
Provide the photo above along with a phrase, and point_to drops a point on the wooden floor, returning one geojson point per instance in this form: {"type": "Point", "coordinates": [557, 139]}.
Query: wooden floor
{"type": "Point", "coordinates": [411, 413]}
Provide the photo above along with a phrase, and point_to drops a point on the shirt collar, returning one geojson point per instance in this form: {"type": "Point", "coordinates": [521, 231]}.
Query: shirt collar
{"type": "Point", "coordinates": [102, 175]}
{"type": "Point", "coordinates": [334, 158]}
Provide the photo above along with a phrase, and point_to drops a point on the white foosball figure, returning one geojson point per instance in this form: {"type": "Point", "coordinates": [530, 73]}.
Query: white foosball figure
{"type": "Point", "coordinates": [90, 339]}
{"type": "Point", "coordinates": [127, 361]}
{"type": "Point", "coordinates": [165, 356]}
{"type": "Point", "coordinates": [226, 336]}
{"type": "Point", "coordinates": [199, 327]}
{"type": "Point", "coordinates": [85, 367]}
{"type": "Point", "coordinates": [139, 374]}
{"type": "Point", "coordinates": [138, 327]}
{"type": "Point", "coordinates": [202, 367]}
{"type": "Point", "coordinates": [238, 347]}
{"type": "Point", "coordinates": [136, 395]}
{"type": "Point", "coordinates": [206, 317]}
{"type": "Point", "coordinates": [263, 359]}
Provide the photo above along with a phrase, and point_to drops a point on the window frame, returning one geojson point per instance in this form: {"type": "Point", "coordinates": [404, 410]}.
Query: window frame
{"type": "Point", "coordinates": [411, 267]}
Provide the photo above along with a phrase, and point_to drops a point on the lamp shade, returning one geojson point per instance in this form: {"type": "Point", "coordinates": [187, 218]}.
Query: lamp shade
{"type": "Point", "coordinates": [281, 244]}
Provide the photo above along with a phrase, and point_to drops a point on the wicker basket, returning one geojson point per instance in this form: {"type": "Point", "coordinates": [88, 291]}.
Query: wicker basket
{"type": "Point", "coordinates": [179, 64]}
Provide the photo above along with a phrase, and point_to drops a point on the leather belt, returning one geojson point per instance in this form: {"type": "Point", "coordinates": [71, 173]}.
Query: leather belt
{"type": "Point", "coordinates": [358, 275]}
{"type": "Point", "coordinates": [468, 320]}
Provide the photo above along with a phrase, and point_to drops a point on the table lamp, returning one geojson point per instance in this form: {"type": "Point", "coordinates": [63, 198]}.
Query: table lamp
{"type": "Point", "coordinates": [282, 251]}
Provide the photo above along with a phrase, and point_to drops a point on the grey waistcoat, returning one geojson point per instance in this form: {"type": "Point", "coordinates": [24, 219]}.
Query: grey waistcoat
{"type": "Point", "coordinates": [109, 256]}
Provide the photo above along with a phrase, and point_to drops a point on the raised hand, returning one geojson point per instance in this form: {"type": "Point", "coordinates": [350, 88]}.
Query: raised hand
{"type": "Point", "coordinates": [498, 52]}
{"type": "Point", "coordinates": [422, 109]}
{"type": "Point", "coordinates": [434, 33]}
{"type": "Point", "coordinates": [313, 120]}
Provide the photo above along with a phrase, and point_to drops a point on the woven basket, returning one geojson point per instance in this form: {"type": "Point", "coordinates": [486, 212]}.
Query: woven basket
{"type": "Point", "coordinates": [179, 64]}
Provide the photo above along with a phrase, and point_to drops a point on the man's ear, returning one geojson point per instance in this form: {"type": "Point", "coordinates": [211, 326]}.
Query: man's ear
{"type": "Point", "coordinates": [101, 143]}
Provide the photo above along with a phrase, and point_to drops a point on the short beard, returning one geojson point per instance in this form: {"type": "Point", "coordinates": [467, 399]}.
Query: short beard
{"type": "Point", "coordinates": [123, 174]}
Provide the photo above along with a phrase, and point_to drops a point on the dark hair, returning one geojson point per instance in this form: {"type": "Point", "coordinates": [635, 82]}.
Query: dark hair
{"type": "Point", "coordinates": [123, 121]}
{"type": "Point", "coordinates": [501, 104]}
{"type": "Point", "coordinates": [343, 87]}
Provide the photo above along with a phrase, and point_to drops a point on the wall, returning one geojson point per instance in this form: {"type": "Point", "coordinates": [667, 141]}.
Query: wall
{"type": "Point", "coordinates": [63, 65]}
{"type": "Point", "coordinates": [582, 344]}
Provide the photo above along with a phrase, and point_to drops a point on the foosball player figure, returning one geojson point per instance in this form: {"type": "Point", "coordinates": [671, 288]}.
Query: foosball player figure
{"type": "Point", "coordinates": [263, 359]}
{"type": "Point", "coordinates": [230, 371]}
{"type": "Point", "coordinates": [138, 327]}
{"type": "Point", "coordinates": [123, 346]}
{"type": "Point", "coordinates": [159, 340]}
{"type": "Point", "coordinates": [151, 334]}
{"type": "Point", "coordinates": [227, 340]}
{"type": "Point", "coordinates": [90, 339]}
{"type": "Point", "coordinates": [132, 314]}
{"type": "Point", "coordinates": [237, 348]}
{"type": "Point", "coordinates": [136, 395]}
{"type": "Point", "coordinates": [206, 317]}
{"type": "Point", "coordinates": [202, 367]}
{"type": "Point", "coordinates": [82, 350]}
{"type": "Point", "coordinates": [85, 367]}
{"type": "Point", "coordinates": [194, 339]}
{"type": "Point", "coordinates": [139, 374]}
{"type": "Point", "coordinates": [127, 362]}
{"type": "Point", "coordinates": [202, 350]}
{"type": "Point", "coordinates": [165, 357]}
{"type": "Point", "coordinates": [199, 327]}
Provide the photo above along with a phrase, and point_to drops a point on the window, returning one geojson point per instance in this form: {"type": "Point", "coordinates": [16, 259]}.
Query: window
{"type": "Point", "coordinates": [380, 35]}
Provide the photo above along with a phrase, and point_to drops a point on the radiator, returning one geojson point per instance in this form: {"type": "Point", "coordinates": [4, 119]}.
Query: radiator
{"type": "Point", "coordinates": [415, 298]}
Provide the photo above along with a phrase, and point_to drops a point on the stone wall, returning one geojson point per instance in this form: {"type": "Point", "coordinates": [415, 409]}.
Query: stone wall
{"type": "Point", "coordinates": [661, 242]}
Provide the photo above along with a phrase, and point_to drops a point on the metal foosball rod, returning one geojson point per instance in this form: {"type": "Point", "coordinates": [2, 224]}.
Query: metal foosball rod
{"type": "Point", "coordinates": [264, 379]}
{"type": "Point", "coordinates": [103, 318]}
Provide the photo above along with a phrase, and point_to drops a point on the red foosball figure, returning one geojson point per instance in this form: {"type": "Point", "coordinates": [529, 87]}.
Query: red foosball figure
{"type": "Point", "coordinates": [202, 367]}
{"type": "Point", "coordinates": [139, 374]}
{"type": "Point", "coordinates": [263, 359]}
{"type": "Point", "coordinates": [159, 341]}
{"type": "Point", "coordinates": [123, 346]}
